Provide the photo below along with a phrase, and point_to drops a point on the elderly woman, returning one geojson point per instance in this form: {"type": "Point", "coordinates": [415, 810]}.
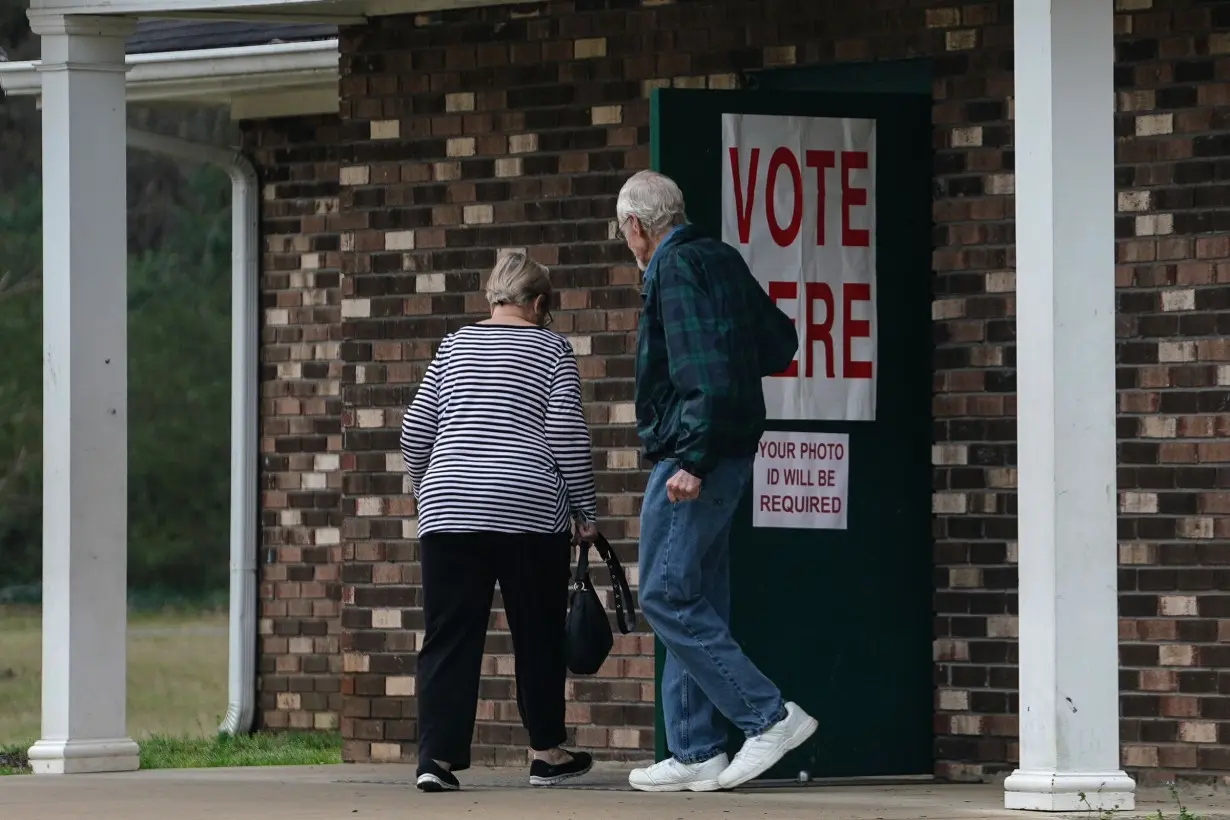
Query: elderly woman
{"type": "Point", "coordinates": [499, 457]}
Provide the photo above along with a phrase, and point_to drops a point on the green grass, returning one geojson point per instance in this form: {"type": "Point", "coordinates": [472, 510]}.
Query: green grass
{"type": "Point", "coordinates": [176, 674]}
{"type": "Point", "coordinates": [13, 760]}
{"type": "Point", "coordinates": [263, 749]}
{"type": "Point", "coordinates": [176, 696]}
{"type": "Point", "coordinates": [260, 749]}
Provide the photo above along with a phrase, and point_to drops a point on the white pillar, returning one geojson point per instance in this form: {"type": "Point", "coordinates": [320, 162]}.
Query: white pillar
{"type": "Point", "coordinates": [1065, 194]}
{"type": "Point", "coordinates": [85, 386]}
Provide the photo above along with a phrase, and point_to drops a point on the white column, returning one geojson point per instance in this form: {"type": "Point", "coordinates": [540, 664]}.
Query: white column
{"type": "Point", "coordinates": [85, 386]}
{"type": "Point", "coordinates": [1065, 194]}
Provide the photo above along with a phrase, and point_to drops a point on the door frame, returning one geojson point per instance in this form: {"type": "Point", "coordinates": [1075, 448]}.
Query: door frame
{"type": "Point", "coordinates": [909, 76]}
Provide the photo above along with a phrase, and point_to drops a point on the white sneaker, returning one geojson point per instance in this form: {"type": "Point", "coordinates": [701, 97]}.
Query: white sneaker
{"type": "Point", "coordinates": [672, 776]}
{"type": "Point", "coordinates": [761, 753]}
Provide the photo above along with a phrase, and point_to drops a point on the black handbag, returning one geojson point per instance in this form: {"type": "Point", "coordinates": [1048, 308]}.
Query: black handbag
{"type": "Point", "coordinates": [587, 630]}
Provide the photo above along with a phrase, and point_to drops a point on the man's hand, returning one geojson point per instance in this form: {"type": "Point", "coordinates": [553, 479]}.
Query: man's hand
{"type": "Point", "coordinates": [682, 486]}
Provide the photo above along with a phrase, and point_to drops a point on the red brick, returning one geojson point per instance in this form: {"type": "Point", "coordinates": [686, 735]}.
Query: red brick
{"type": "Point", "coordinates": [296, 427]}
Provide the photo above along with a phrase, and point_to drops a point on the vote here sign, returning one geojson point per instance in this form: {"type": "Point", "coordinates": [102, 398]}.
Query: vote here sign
{"type": "Point", "coordinates": [798, 201]}
{"type": "Point", "coordinates": [800, 481]}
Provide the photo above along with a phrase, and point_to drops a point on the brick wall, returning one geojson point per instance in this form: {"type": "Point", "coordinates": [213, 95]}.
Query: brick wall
{"type": "Point", "coordinates": [466, 132]}
{"type": "Point", "coordinates": [460, 150]}
{"type": "Point", "coordinates": [1174, 102]}
{"type": "Point", "coordinates": [486, 129]}
{"type": "Point", "coordinates": [300, 436]}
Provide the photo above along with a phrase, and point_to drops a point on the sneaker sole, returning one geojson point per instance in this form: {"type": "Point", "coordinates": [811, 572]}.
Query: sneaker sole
{"type": "Point", "coordinates": [695, 786]}
{"type": "Point", "coordinates": [432, 785]}
{"type": "Point", "coordinates": [535, 780]}
{"type": "Point", "coordinates": [796, 740]}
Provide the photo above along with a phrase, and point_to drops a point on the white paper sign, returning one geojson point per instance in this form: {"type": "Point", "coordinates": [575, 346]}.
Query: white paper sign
{"type": "Point", "coordinates": [798, 201]}
{"type": "Point", "coordinates": [800, 481]}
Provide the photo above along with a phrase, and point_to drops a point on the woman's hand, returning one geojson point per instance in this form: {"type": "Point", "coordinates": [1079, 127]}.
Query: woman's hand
{"type": "Point", "coordinates": [585, 530]}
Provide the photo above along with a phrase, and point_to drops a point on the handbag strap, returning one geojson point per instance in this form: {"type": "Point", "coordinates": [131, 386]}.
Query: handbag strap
{"type": "Point", "coordinates": [580, 575]}
{"type": "Point", "coordinates": [625, 606]}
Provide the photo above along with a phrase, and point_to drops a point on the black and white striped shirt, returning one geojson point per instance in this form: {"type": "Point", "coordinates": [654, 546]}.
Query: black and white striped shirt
{"type": "Point", "coordinates": [495, 439]}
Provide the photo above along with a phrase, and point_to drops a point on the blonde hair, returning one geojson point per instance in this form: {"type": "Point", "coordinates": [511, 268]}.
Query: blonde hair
{"type": "Point", "coordinates": [517, 280]}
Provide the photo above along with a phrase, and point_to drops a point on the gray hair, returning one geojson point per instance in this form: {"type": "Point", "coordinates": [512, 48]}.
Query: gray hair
{"type": "Point", "coordinates": [652, 199]}
{"type": "Point", "coordinates": [517, 280]}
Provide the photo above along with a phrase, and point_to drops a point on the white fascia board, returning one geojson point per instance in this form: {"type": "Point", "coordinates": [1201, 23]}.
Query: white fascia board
{"type": "Point", "coordinates": [307, 73]}
{"type": "Point", "coordinates": [20, 79]}
{"type": "Point", "coordinates": [155, 8]}
{"type": "Point", "coordinates": [342, 12]}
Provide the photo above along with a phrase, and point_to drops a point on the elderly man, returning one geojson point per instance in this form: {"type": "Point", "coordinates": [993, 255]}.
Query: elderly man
{"type": "Point", "coordinates": [708, 334]}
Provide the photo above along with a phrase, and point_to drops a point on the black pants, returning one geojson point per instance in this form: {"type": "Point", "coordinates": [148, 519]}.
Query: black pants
{"type": "Point", "coordinates": [459, 575]}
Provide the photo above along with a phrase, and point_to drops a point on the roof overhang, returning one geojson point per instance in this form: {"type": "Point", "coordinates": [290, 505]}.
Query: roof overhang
{"type": "Point", "coordinates": [341, 12]}
{"type": "Point", "coordinates": [255, 82]}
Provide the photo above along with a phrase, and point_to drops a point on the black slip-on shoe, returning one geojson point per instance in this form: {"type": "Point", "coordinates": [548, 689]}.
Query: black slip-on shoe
{"type": "Point", "coordinates": [434, 778]}
{"type": "Point", "coordinates": [543, 773]}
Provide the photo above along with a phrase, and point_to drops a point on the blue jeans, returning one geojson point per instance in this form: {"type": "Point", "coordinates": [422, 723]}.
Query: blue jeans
{"type": "Point", "coordinates": [685, 596]}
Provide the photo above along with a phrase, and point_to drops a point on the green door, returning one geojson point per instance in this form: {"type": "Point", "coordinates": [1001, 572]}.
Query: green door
{"type": "Point", "coordinates": [841, 619]}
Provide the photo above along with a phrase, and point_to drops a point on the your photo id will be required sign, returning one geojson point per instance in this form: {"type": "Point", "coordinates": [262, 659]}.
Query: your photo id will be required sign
{"type": "Point", "coordinates": [800, 481]}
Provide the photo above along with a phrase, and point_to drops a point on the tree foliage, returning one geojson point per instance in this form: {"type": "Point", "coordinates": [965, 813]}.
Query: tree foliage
{"type": "Point", "coordinates": [179, 387]}
{"type": "Point", "coordinates": [178, 345]}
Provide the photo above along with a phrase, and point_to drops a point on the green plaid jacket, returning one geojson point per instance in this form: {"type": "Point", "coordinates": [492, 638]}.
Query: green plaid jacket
{"type": "Point", "coordinates": [707, 332]}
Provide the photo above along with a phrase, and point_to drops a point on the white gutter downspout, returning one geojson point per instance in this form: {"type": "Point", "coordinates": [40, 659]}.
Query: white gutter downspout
{"type": "Point", "coordinates": [245, 386]}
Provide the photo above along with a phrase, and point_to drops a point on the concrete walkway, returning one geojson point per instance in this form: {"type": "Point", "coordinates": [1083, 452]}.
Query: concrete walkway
{"type": "Point", "coordinates": [366, 792]}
